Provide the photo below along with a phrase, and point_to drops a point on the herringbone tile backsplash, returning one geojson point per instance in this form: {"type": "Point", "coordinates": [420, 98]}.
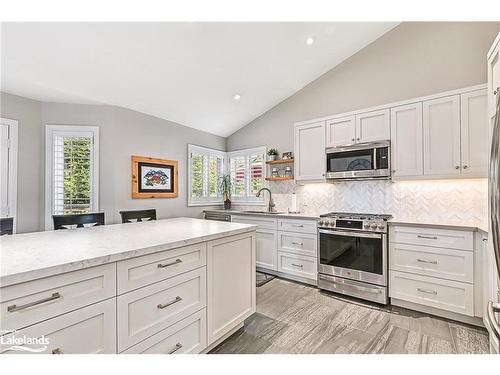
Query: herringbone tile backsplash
{"type": "Point", "coordinates": [447, 200]}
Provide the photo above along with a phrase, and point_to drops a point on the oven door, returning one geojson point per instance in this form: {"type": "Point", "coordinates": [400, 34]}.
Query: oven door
{"type": "Point", "coordinates": [353, 255]}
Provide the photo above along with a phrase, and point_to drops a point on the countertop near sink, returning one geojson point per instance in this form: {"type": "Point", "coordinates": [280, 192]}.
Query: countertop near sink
{"type": "Point", "coordinates": [35, 255]}
{"type": "Point", "coordinates": [281, 215]}
{"type": "Point", "coordinates": [434, 223]}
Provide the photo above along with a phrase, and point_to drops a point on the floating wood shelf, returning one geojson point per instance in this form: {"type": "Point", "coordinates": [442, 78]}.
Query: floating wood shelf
{"type": "Point", "coordinates": [282, 161]}
{"type": "Point", "coordinates": [279, 178]}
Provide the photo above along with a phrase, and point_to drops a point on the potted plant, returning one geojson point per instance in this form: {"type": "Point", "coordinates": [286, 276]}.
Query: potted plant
{"type": "Point", "coordinates": [272, 154]}
{"type": "Point", "coordinates": [226, 188]}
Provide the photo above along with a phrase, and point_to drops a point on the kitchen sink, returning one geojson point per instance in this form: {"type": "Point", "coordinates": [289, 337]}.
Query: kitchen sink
{"type": "Point", "coordinates": [263, 212]}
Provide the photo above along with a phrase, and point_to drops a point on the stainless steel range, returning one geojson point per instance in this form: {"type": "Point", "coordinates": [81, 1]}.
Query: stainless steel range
{"type": "Point", "coordinates": [353, 255]}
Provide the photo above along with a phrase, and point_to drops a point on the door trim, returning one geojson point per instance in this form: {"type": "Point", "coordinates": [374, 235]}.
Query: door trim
{"type": "Point", "coordinates": [13, 155]}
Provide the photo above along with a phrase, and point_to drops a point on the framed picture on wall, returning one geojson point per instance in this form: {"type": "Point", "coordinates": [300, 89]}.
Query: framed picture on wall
{"type": "Point", "coordinates": [154, 178]}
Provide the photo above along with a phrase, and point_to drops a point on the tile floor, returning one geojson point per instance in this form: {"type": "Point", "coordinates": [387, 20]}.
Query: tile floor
{"type": "Point", "coordinates": [294, 318]}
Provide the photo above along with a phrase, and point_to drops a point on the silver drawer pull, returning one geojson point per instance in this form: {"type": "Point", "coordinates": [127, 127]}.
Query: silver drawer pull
{"type": "Point", "coordinates": [163, 305]}
{"type": "Point", "coordinates": [177, 261]}
{"type": "Point", "coordinates": [56, 351]}
{"type": "Point", "coordinates": [13, 308]}
{"type": "Point", "coordinates": [427, 237]}
{"type": "Point", "coordinates": [297, 265]}
{"type": "Point", "coordinates": [298, 243]}
{"type": "Point", "coordinates": [177, 347]}
{"type": "Point", "coordinates": [298, 225]}
{"type": "Point", "coordinates": [427, 291]}
{"type": "Point", "coordinates": [427, 261]}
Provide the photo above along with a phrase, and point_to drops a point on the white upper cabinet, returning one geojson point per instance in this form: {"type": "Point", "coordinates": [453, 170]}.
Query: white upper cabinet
{"type": "Point", "coordinates": [474, 133]}
{"type": "Point", "coordinates": [310, 157]}
{"type": "Point", "coordinates": [441, 119]}
{"type": "Point", "coordinates": [341, 131]}
{"type": "Point", "coordinates": [406, 140]}
{"type": "Point", "coordinates": [373, 126]}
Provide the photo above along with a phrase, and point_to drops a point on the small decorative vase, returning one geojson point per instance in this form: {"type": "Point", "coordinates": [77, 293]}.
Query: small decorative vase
{"type": "Point", "coordinates": [227, 204]}
{"type": "Point", "coordinates": [271, 157]}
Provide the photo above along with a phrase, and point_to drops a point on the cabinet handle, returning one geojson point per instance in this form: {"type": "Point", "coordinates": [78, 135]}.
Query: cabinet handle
{"type": "Point", "coordinates": [457, 167]}
{"type": "Point", "coordinates": [496, 91]}
{"type": "Point", "coordinates": [298, 225]}
{"type": "Point", "coordinates": [297, 265]}
{"type": "Point", "coordinates": [485, 240]}
{"type": "Point", "coordinates": [177, 261]}
{"type": "Point", "coordinates": [163, 305]}
{"type": "Point", "coordinates": [427, 291]}
{"type": "Point", "coordinates": [56, 351]}
{"type": "Point", "coordinates": [13, 308]}
{"type": "Point", "coordinates": [427, 237]}
{"type": "Point", "coordinates": [176, 347]}
{"type": "Point", "coordinates": [427, 261]}
{"type": "Point", "coordinates": [298, 243]}
{"type": "Point", "coordinates": [358, 139]}
{"type": "Point", "coordinates": [353, 139]}
{"type": "Point", "coordinates": [465, 166]}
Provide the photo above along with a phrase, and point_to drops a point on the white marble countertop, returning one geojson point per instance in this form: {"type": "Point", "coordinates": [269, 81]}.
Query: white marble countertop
{"type": "Point", "coordinates": [283, 215]}
{"type": "Point", "coordinates": [29, 256]}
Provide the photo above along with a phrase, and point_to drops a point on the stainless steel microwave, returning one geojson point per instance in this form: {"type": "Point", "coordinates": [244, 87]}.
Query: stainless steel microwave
{"type": "Point", "coordinates": [359, 161]}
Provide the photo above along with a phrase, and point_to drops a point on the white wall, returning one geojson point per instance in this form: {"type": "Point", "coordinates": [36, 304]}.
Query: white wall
{"type": "Point", "coordinates": [123, 133]}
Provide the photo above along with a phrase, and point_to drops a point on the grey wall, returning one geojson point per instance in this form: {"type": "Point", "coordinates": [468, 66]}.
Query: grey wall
{"type": "Point", "coordinates": [123, 133]}
{"type": "Point", "coordinates": [413, 59]}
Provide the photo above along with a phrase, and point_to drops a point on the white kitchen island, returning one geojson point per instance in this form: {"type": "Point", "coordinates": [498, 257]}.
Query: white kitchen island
{"type": "Point", "coordinates": [167, 286]}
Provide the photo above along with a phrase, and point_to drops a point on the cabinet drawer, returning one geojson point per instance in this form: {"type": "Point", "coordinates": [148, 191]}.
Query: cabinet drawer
{"type": "Point", "coordinates": [138, 272]}
{"type": "Point", "coordinates": [33, 301]}
{"type": "Point", "coordinates": [145, 311]}
{"type": "Point", "coordinates": [187, 336]}
{"type": "Point", "coordinates": [297, 265]}
{"type": "Point", "coordinates": [451, 239]}
{"type": "Point", "coordinates": [300, 226]}
{"type": "Point", "coordinates": [432, 261]}
{"type": "Point", "coordinates": [89, 330]}
{"type": "Point", "coordinates": [261, 222]}
{"type": "Point", "coordinates": [429, 291]}
{"type": "Point", "coordinates": [298, 243]}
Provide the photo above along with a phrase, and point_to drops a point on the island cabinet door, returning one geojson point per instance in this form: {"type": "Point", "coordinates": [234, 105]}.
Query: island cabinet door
{"type": "Point", "coordinates": [230, 283]}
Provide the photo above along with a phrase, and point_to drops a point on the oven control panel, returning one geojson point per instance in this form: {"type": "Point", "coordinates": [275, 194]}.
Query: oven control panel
{"type": "Point", "coordinates": [379, 226]}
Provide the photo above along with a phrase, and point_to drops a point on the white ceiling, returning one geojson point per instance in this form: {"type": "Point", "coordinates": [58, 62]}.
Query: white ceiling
{"type": "Point", "coordinates": [182, 72]}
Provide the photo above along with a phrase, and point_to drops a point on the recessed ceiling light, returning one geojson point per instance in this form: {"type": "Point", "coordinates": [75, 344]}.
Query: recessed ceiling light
{"type": "Point", "coordinates": [237, 97]}
{"type": "Point", "coordinates": [309, 41]}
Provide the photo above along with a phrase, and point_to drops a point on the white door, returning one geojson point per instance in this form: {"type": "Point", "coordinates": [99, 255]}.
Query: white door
{"type": "Point", "coordinates": [266, 249]}
{"type": "Point", "coordinates": [341, 131]}
{"type": "Point", "coordinates": [8, 168]}
{"type": "Point", "coordinates": [310, 157]}
{"type": "Point", "coordinates": [474, 133]}
{"type": "Point", "coordinates": [406, 140]}
{"type": "Point", "coordinates": [441, 119]}
{"type": "Point", "coordinates": [373, 126]}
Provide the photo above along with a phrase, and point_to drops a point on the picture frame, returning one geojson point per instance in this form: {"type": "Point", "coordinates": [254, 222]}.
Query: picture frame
{"type": "Point", "coordinates": [154, 178]}
{"type": "Point", "coordinates": [287, 155]}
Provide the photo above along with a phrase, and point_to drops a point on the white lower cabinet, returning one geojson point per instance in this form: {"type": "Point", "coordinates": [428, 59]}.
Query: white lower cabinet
{"type": "Point", "coordinates": [145, 311]}
{"type": "Point", "coordinates": [230, 284]}
{"type": "Point", "coordinates": [187, 336]}
{"type": "Point", "coordinates": [430, 291]}
{"type": "Point", "coordinates": [266, 249]}
{"type": "Point", "coordinates": [297, 265]}
{"type": "Point", "coordinates": [90, 330]}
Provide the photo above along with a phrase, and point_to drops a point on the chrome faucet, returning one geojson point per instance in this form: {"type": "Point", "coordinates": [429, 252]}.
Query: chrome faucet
{"type": "Point", "coordinates": [270, 207]}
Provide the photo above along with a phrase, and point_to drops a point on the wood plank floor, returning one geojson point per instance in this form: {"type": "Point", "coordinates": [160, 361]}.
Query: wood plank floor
{"type": "Point", "coordinates": [294, 318]}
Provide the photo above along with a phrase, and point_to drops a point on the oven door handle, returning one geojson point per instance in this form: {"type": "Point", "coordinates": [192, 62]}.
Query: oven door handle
{"type": "Point", "coordinates": [350, 234]}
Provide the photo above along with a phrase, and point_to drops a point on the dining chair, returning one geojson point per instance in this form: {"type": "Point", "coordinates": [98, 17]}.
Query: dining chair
{"type": "Point", "coordinates": [138, 215]}
{"type": "Point", "coordinates": [67, 221]}
{"type": "Point", "coordinates": [6, 226]}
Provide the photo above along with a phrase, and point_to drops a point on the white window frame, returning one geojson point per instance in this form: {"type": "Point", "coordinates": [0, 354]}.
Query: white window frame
{"type": "Point", "coordinates": [211, 201]}
{"type": "Point", "coordinates": [13, 155]}
{"type": "Point", "coordinates": [203, 201]}
{"type": "Point", "coordinates": [50, 130]}
{"type": "Point", "coordinates": [249, 198]}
